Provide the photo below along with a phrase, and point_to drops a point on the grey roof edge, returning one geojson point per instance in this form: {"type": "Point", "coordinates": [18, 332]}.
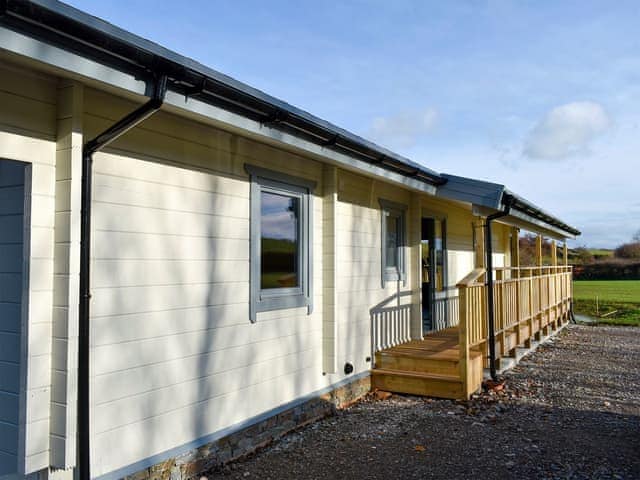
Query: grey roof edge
{"type": "Point", "coordinates": [498, 197]}
{"type": "Point", "coordinates": [525, 206]}
{"type": "Point", "coordinates": [471, 190]}
{"type": "Point", "coordinates": [384, 156]}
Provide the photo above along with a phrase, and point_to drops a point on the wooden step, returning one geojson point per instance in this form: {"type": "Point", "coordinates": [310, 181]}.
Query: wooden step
{"type": "Point", "coordinates": [417, 383]}
{"type": "Point", "coordinates": [443, 362]}
{"type": "Point", "coordinates": [416, 362]}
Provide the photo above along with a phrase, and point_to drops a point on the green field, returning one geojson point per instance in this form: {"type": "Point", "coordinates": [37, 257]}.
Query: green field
{"type": "Point", "coordinates": [610, 301]}
{"type": "Point", "coordinates": [601, 252]}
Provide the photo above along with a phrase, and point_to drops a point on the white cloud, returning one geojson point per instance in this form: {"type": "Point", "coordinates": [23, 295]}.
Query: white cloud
{"type": "Point", "coordinates": [403, 129]}
{"type": "Point", "coordinates": [566, 130]}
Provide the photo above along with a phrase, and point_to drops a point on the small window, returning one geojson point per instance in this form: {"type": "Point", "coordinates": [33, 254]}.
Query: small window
{"type": "Point", "coordinates": [393, 241]}
{"type": "Point", "coordinates": [280, 241]}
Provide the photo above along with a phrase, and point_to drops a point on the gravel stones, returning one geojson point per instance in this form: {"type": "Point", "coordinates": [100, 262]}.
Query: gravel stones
{"type": "Point", "coordinates": [570, 410]}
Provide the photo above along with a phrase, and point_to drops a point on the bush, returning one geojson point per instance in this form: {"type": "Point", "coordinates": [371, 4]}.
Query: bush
{"type": "Point", "coordinates": [628, 250]}
{"type": "Point", "coordinates": [612, 270]}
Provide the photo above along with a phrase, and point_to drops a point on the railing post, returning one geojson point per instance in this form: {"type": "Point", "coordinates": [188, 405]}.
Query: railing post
{"type": "Point", "coordinates": [548, 306]}
{"type": "Point", "coordinates": [463, 339]}
{"type": "Point", "coordinates": [501, 313]}
{"type": "Point", "coordinates": [531, 314]}
{"type": "Point", "coordinates": [518, 311]}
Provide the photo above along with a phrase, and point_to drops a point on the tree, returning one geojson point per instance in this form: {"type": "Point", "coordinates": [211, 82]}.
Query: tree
{"type": "Point", "coordinates": [636, 236]}
{"type": "Point", "coordinates": [628, 250]}
{"type": "Point", "coordinates": [583, 255]}
{"type": "Point", "coordinates": [528, 250]}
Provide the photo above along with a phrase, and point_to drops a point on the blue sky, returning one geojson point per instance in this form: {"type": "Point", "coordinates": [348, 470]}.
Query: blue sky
{"type": "Point", "coordinates": [541, 96]}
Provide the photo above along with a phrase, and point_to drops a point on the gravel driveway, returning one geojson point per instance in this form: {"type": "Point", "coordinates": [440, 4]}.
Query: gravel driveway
{"type": "Point", "coordinates": [569, 410]}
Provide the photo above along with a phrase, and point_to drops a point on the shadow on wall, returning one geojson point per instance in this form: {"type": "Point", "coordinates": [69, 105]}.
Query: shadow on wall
{"type": "Point", "coordinates": [174, 356]}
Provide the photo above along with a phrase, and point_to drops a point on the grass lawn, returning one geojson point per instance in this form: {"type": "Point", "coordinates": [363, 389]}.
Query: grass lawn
{"type": "Point", "coordinates": [619, 296]}
{"type": "Point", "coordinates": [600, 252]}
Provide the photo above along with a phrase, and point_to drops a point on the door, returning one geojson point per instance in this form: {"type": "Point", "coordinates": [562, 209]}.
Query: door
{"type": "Point", "coordinates": [434, 302]}
{"type": "Point", "coordinates": [12, 206]}
{"type": "Point", "coordinates": [427, 255]}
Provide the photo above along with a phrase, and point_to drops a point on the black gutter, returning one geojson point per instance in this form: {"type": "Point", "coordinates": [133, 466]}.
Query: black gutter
{"type": "Point", "coordinates": [73, 30]}
{"type": "Point", "coordinates": [490, 306]}
{"type": "Point", "coordinates": [98, 143]}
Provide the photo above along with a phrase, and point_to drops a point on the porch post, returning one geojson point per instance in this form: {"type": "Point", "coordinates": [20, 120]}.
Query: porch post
{"type": "Point", "coordinates": [478, 231]}
{"type": "Point", "coordinates": [329, 271]}
{"type": "Point", "coordinates": [554, 254]}
{"type": "Point", "coordinates": [415, 239]}
{"type": "Point", "coordinates": [515, 248]}
{"type": "Point", "coordinates": [539, 252]}
{"type": "Point", "coordinates": [565, 254]}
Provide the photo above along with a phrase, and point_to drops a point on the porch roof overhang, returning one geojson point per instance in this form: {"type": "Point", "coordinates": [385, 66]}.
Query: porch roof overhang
{"type": "Point", "coordinates": [488, 198]}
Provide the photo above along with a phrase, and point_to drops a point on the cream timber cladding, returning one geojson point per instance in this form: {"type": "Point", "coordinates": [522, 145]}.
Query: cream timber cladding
{"type": "Point", "coordinates": [174, 356]}
{"type": "Point", "coordinates": [27, 134]}
{"type": "Point", "coordinates": [66, 274]}
{"type": "Point", "coordinates": [358, 248]}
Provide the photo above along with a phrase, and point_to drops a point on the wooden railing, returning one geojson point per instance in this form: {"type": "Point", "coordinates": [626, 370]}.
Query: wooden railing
{"type": "Point", "coordinates": [445, 313]}
{"type": "Point", "coordinates": [390, 324]}
{"type": "Point", "coordinates": [526, 294]}
{"type": "Point", "coordinates": [526, 300]}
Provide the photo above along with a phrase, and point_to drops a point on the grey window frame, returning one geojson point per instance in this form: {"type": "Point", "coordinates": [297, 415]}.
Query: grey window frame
{"type": "Point", "coordinates": [263, 179]}
{"type": "Point", "coordinates": [398, 210]}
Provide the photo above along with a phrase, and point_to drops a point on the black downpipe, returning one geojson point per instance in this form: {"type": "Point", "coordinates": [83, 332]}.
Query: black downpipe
{"type": "Point", "coordinates": [109, 135]}
{"type": "Point", "coordinates": [490, 307]}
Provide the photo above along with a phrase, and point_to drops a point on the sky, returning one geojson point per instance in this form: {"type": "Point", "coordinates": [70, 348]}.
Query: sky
{"type": "Point", "coordinates": [541, 96]}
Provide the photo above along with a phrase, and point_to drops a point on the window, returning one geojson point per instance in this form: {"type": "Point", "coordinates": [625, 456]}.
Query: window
{"type": "Point", "coordinates": [280, 241]}
{"type": "Point", "coordinates": [393, 241]}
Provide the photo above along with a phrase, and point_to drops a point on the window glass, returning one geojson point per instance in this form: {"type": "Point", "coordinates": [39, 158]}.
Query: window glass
{"type": "Point", "coordinates": [280, 243]}
{"type": "Point", "coordinates": [392, 242]}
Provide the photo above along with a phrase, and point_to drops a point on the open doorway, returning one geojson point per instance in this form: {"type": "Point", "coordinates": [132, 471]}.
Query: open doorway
{"type": "Point", "coordinates": [433, 273]}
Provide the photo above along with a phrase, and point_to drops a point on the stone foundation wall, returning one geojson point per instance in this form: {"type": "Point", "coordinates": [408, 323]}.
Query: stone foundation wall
{"type": "Point", "coordinates": [217, 453]}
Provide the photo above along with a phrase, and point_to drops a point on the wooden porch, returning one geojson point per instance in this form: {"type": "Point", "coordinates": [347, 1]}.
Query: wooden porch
{"type": "Point", "coordinates": [529, 303]}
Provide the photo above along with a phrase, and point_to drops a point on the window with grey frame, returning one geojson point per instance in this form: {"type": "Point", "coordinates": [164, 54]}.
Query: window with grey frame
{"type": "Point", "coordinates": [393, 241]}
{"type": "Point", "coordinates": [280, 243]}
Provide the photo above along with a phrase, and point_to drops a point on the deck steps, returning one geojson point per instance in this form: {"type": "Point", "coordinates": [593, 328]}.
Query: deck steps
{"type": "Point", "coordinates": [429, 367]}
{"type": "Point", "coordinates": [415, 363]}
{"type": "Point", "coordinates": [418, 383]}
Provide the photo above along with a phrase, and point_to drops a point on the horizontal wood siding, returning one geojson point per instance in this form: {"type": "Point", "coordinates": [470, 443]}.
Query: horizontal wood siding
{"type": "Point", "coordinates": [174, 355]}
{"type": "Point", "coordinates": [359, 277]}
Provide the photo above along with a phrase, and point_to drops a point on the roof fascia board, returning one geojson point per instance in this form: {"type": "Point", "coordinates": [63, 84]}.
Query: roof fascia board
{"type": "Point", "coordinates": [552, 230]}
{"type": "Point", "coordinates": [65, 61]}
{"type": "Point", "coordinates": [520, 219]}
{"type": "Point", "coordinates": [227, 120]}
{"type": "Point", "coordinates": [76, 66]}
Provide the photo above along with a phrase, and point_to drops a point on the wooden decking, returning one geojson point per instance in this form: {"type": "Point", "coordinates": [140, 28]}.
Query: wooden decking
{"type": "Point", "coordinates": [429, 367]}
{"type": "Point", "coordinates": [528, 303]}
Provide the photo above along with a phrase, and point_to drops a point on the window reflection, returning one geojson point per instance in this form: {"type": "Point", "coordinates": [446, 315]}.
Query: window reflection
{"type": "Point", "coordinates": [279, 227]}
{"type": "Point", "coordinates": [392, 242]}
